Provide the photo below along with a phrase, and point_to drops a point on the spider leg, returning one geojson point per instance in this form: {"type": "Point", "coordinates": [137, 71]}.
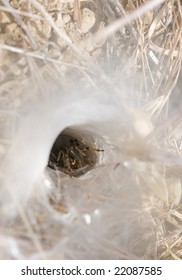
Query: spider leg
{"type": "Point", "coordinates": [58, 157]}
{"type": "Point", "coordinates": [67, 162]}
{"type": "Point", "coordinates": [93, 149]}
{"type": "Point", "coordinates": [78, 159]}
{"type": "Point", "coordinates": [81, 152]}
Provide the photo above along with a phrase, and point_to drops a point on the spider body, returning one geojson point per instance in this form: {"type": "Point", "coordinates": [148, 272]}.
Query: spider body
{"type": "Point", "coordinates": [72, 157]}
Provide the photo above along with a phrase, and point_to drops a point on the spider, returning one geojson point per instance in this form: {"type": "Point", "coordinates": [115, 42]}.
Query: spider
{"type": "Point", "coordinates": [73, 157]}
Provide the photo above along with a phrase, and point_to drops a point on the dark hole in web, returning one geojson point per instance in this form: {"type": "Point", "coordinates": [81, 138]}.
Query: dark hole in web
{"type": "Point", "coordinates": [69, 154]}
